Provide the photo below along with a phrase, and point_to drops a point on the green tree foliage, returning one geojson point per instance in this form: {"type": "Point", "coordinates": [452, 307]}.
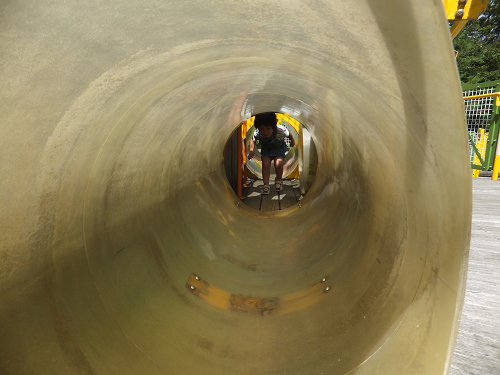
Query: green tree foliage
{"type": "Point", "coordinates": [478, 46]}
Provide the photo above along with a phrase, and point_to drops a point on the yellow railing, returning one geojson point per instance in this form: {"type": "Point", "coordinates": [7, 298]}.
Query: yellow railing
{"type": "Point", "coordinates": [497, 94]}
{"type": "Point", "coordinates": [480, 143]}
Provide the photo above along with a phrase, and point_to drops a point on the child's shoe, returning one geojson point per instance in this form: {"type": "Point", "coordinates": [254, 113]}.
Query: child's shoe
{"type": "Point", "coordinates": [279, 184]}
{"type": "Point", "coordinates": [266, 189]}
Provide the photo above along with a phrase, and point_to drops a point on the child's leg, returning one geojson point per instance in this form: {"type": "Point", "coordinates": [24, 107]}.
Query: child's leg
{"type": "Point", "coordinates": [266, 169]}
{"type": "Point", "coordinates": [278, 167]}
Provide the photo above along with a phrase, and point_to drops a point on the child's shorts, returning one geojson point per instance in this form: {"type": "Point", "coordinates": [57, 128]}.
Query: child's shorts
{"type": "Point", "coordinates": [279, 152]}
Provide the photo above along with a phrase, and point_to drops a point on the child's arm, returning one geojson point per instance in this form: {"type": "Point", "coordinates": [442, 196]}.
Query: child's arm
{"type": "Point", "coordinates": [292, 141]}
{"type": "Point", "coordinates": [252, 146]}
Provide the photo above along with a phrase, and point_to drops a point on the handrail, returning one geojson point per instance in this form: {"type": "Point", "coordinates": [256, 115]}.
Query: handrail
{"type": "Point", "coordinates": [497, 94]}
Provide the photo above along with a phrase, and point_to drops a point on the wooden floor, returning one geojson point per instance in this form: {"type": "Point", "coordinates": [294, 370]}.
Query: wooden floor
{"type": "Point", "coordinates": [478, 345]}
{"type": "Point", "coordinates": [289, 196]}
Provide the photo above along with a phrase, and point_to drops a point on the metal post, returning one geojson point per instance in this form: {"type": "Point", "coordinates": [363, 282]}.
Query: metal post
{"type": "Point", "coordinates": [496, 164]}
{"type": "Point", "coordinates": [239, 162]}
{"type": "Point", "coordinates": [244, 129]}
{"type": "Point", "coordinates": [481, 146]}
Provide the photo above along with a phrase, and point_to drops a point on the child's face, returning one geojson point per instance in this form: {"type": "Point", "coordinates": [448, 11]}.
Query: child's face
{"type": "Point", "coordinates": [266, 131]}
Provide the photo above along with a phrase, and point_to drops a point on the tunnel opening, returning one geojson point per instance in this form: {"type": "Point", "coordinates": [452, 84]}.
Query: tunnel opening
{"type": "Point", "coordinates": [245, 174]}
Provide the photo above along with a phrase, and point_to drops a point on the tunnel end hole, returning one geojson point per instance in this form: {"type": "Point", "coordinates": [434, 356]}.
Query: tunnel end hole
{"type": "Point", "coordinates": [246, 174]}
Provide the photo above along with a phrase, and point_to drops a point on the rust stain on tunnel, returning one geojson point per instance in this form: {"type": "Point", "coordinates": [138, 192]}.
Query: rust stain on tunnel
{"type": "Point", "coordinates": [287, 304]}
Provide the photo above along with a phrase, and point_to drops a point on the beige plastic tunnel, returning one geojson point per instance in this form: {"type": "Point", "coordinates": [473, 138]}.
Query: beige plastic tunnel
{"type": "Point", "coordinates": [125, 251]}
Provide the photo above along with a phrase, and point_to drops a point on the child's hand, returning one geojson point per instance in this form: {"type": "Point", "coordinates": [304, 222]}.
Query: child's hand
{"type": "Point", "coordinates": [250, 155]}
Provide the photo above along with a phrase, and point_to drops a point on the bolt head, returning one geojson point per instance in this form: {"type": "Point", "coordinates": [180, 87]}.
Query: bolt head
{"type": "Point", "coordinates": [459, 13]}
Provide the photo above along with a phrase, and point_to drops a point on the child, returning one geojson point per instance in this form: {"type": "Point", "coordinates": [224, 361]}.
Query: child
{"type": "Point", "coordinates": [272, 141]}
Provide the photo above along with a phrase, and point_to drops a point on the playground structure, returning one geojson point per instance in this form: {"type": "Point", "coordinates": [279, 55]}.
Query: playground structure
{"type": "Point", "coordinates": [459, 12]}
{"type": "Point", "coordinates": [482, 108]}
{"type": "Point", "coordinates": [124, 249]}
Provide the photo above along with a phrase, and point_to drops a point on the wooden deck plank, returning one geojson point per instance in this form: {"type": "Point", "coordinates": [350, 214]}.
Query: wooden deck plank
{"type": "Point", "coordinates": [287, 196]}
{"type": "Point", "coordinates": [253, 196]}
{"type": "Point", "coordinates": [270, 202]}
{"type": "Point", "coordinates": [274, 201]}
{"type": "Point", "coordinates": [295, 184]}
{"type": "Point", "coordinates": [477, 350]}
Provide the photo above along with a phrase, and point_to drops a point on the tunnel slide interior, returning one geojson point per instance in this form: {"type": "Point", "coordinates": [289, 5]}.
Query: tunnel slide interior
{"type": "Point", "coordinates": [123, 248]}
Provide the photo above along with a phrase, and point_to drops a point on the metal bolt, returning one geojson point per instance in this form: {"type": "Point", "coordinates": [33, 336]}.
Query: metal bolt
{"type": "Point", "coordinates": [300, 205]}
{"type": "Point", "coordinates": [237, 204]}
{"type": "Point", "coordinates": [193, 287]}
{"type": "Point", "coordinates": [197, 278]}
{"type": "Point", "coordinates": [462, 1]}
{"type": "Point", "coordinates": [459, 13]}
{"type": "Point", "coordinates": [327, 289]}
{"type": "Point", "coordinates": [323, 279]}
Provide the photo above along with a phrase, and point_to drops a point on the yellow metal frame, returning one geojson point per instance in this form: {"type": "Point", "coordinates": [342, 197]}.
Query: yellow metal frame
{"type": "Point", "coordinates": [481, 147]}
{"type": "Point", "coordinates": [281, 305]}
{"type": "Point", "coordinates": [496, 164]}
{"type": "Point", "coordinates": [456, 27]}
{"type": "Point", "coordinates": [497, 94]}
{"type": "Point", "coordinates": [461, 11]}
